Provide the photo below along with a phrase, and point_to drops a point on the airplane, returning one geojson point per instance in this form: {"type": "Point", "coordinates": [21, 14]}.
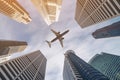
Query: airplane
{"type": "Point", "coordinates": [58, 37]}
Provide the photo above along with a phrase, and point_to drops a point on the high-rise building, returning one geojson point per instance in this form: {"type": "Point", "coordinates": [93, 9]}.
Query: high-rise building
{"type": "Point", "coordinates": [49, 9]}
{"type": "Point", "coordinates": [77, 69]}
{"type": "Point", "coordinates": [89, 12]}
{"type": "Point", "coordinates": [28, 67]}
{"type": "Point", "coordinates": [14, 10]}
{"type": "Point", "coordinates": [8, 47]}
{"type": "Point", "coordinates": [108, 64]}
{"type": "Point", "coordinates": [108, 31]}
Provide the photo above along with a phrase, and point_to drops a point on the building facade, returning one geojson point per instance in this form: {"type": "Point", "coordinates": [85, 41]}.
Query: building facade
{"type": "Point", "coordinates": [77, 69]}
{"type": "Point", "coordinates": [14, 10]}
{"type": "Point", "coordinates": [28, 67]}
{"type": "Point", "coordinates": [89, 12]}
{"type": "Point", "coordinates": [49, 9]}
{"type": "Point", "coordinates": [108, 31]}
{"type": "Point", "coordinates": [107, 64]}
{"type": "Point", "coordinates": [9, 46]}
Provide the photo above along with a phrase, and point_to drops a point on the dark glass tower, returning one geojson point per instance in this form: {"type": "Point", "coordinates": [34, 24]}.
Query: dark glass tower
{"type": "Point", "coordinates": [28, 67]}
{"type": "Point", "coordinates": [108, 64]}
{"type": "Point", "coordinates": [108, 31]}
{"type": "Point", "coordinates": [77, 69]}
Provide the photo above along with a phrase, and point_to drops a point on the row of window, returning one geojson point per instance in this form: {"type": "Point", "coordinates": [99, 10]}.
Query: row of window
{"type": "Point", "coordinates": [108, 65]}
{"type": "Point", "coordinates": [6, 8]}
{"type": "Point", "coordinates": [87, 71]}
{"type": "Point", "coordinates": [20, 69]}
{"type": "Point", "coordinates": [89, 7]}
{"type": "Point", "coordinates": [68, 72]}
{"type": "Point", "coordinates": [96, 11]}
{"type": "Point", "coordinates": [76, 73]}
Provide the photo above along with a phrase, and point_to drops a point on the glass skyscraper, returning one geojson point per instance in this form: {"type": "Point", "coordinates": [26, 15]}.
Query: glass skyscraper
{"type": "Point", "coordinates": [108, 31]}
{"type": "Point", "coordinates": [107, 64]}
{"type": "Point", "coordinates": [28, 67]}
{"type": "Point", "coordinates": [77, 69]}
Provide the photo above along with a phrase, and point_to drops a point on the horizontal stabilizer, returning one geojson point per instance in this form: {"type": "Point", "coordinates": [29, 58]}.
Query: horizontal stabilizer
{"type": "Point", "coordinates": [49, 43]}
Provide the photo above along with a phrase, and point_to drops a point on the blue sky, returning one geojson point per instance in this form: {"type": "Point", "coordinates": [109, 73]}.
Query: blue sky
{"type": "Point", "coordinates": [36, 32]}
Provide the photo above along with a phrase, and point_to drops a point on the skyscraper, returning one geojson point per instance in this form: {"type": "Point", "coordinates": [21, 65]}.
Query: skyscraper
{"type": "Point", "coordinates": [108, 31]}
{"type": "Point", "coordinates": [89, 12]}
{"type": "Point", "coordinates": [49, 9]}
{"type": "Point", "coordinates": [107, 64]}
{"type": "Point", "coordinates": [8, 47]}
{"type": "Point", "coordinates": [28, 67]}
{"type": "Point", "coordinates": [14, 10]}
{"type": "Point", "coordinates": [77, 69]}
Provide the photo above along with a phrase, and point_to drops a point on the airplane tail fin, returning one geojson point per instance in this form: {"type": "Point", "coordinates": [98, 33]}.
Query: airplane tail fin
{"type": "Point", "coordinates": [49, 43]}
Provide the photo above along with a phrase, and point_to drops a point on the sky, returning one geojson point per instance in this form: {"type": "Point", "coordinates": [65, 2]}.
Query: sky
{"type": "Point", "coordinates": [78, 39]}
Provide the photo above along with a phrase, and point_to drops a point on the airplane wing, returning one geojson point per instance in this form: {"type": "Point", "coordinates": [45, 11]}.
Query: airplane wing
{"type": "Point", "coordinates": [54, 39]}
{"type": "Point", "coordinates": [61, 42]}
{"type": "Point", "coordinates": [56, 33]}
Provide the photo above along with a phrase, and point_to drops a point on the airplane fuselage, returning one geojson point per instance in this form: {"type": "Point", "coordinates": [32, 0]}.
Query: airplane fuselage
{"type": "Point", "coordinates": [58, 37]}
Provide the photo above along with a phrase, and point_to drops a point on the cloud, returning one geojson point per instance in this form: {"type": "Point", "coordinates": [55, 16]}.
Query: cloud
{"type": "Point", "coordinates": [54, 68]}
{"type": "Point", "coordinates": [68, 10]}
